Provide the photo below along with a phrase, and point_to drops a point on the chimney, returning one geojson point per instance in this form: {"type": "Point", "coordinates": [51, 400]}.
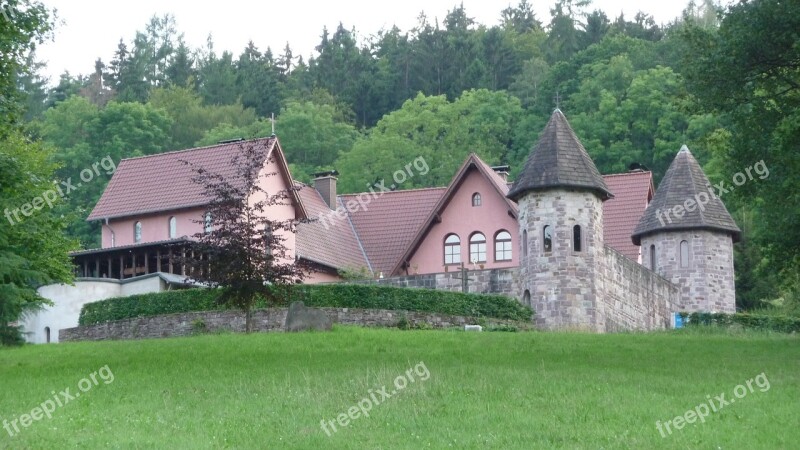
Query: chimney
{"type": "Point", "coordinates": [502, 171]}
{"type": "Point", "coordinates": [325, 184]}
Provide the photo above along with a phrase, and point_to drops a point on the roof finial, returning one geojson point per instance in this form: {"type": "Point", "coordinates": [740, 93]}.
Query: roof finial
{"type": "Point", "coordinates": [272, 119]}
{"type": "Point", "coordinates": [557, 99]}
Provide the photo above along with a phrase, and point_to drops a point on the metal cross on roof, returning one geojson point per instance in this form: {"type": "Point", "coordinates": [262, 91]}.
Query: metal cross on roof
{"type": "Point", "coordinates": [557, 99]}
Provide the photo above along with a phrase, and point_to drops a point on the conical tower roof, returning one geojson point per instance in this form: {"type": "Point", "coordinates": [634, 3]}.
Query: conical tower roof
{"type": "Point", "coordinates": [559, 160]}
{"type": "Point", "coordinates": [685, 181]}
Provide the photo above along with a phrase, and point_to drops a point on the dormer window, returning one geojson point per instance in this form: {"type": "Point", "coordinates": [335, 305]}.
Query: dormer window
{"type": "Point", "coordinates": [476, 199]}
{"type": "Point", "coordinates": [137, 232]}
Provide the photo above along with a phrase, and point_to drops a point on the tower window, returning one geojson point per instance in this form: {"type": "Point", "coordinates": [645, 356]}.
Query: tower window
{"type": "Point", "coordinates": [576, 238]}
{"type": "Point", "coordinates": [684, 254]}
{"type": "Point", "coordinates": [173, 227]}
{"type": "Point", "coordinates": [47, 334]}
{"type": "Point", "coordinates": [137, 232]}
{"type": "Point", "coordinates": [547, 239]}
{"type": "Point", "coordinates": [477, 248]}
{"type": "Point", "coordinates": [452, 249]}
{"type": "Point", "coordinates": [524, 242]}
{"type": "Point", "coordinates": [476, 199]}
{"type": "Point", "coordinates": [653, 257]}
{"type": "Point", "coordinates": [502, 246]}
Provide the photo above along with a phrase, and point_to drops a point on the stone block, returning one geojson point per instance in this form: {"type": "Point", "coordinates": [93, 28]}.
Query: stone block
{"type": "Point", "coordinates": [302, 318]}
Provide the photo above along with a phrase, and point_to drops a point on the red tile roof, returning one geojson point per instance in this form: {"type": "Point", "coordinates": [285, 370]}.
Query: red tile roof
{"type": "Point", "coordinates": [632, 191]}
{"type": "Point", "coordinates": [334, 245]}
{"type": "Point", "coordinates": [163, 182]}
{"type": "Point", "coordinates": [389, 223]}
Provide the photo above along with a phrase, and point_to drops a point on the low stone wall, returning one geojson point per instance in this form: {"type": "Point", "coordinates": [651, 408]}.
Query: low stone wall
{"type": "Point", "coordinates": [486, 281]}
{"type": "Point", "coordinates": [273, 319]}
{"type": "Point", "coordinates": [632, 296]}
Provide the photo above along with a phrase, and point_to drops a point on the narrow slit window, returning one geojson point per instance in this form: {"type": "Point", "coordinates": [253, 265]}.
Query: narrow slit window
{"type": "Point", "coordinates": [653, 257]}
{"type": "Point", "coordinates": [173, 227]}
{"type": "Point", "coordinates": [137, 232]}
{"type": "Point", "coordinates": [684, 254]}
{"type": "Point", "coordinates": [524, 242]}
{"type": "Point", "coordinates": [547, 239]}
{"type": "Point", "coordinates": [576, 238]}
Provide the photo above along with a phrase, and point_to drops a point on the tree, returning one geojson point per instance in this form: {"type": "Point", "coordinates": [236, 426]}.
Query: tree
{"type": "Point", "coordinates": [33, 249]}
{"type": "Point", "coordinates": [245, 251]}
{"type": "Point", "coordinates": [749, 69]}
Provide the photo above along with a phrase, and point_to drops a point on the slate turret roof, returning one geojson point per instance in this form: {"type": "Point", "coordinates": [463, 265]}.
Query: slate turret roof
{"type": "Point", "coordinates": [685, 185]}
{"type": "Point", "coordinates": [559, 161]}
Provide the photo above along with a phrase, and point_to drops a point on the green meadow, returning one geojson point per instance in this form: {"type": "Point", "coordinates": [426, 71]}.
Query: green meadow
{"type": "Point", "coordinates": [469, 390]}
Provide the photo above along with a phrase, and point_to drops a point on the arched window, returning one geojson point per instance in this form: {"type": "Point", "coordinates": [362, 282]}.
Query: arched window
{"type": "Point", "coordinates": [524, 242]}
{"type": "Point", "coordinates": [502, 246]}
{"type": "Point", "coordinates": [137, 232]}
{"type": "Point", "coordinates": [653, 257]}
{"type": "Point", "coordinates": [113, 239]}
{"type": "Point", "coordinates": [452, 249]}
{"type": "Point", "coordinates": [208, 223]}
{"type": "Point", "coordinates": [547, 239]}
{"type": "Point", "coordinates": [684, 254]}
{"type": "Point", "coordinates": [526, 298]}
{"type": "Point", "coordinates": [173, 227]}
{"type": "Point", "coordinates": [477, 248]}
{"type": "Point", "coordinates": [576, 238]}
{"type": "Point", "coordinates": [476, 199]}
{"type": "Point", "coordinates": [47, 334]}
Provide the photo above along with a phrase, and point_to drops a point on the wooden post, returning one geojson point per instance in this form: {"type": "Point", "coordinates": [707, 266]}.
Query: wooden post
{"type": "Point", "coordinates": [121, 267]}
{"type": "Point", "coordinates": [158, 260]}
{"type": "Point", "coordinates": [183, 261]}
{"type": "Point", "coordinates": [146, 263]}
{"type": "Point", "coordinates": [85, 268]}
{"type": "Point", "coordinates": [169, 260]}
{"type": "Point", "coordinates": [97, 267]}
{"type": "Point", "coordinates": [133, 264]}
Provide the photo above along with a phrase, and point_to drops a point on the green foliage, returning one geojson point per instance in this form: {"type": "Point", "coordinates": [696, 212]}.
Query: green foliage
{"type": "Point", "coordinates": [146, 305]}
{"type": "Point", "coordinates": [33, 248]}
{"type": "Point", "coordinates": [385, 297]}
{"type": "Point", "coordinates": [334, 296]}
{"type": "Point", "coordinates": [777, 323]}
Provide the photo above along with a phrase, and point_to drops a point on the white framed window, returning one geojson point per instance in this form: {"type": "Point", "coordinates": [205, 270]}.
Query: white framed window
{"type": "Point", "coordinates": [476, 199]}
{"type": "Point", "coordinates": [137, 232]}
{"type": "Point", "coordinates": [208, 223]}
{"type": "Point", "coordinates": [173, 227]}
{"type": "Point", "coordinates": [452, 249]}
{"type": "Point", "coordinates": [477, 248]}
{"type": "Point", "coordinates": [502, 246]}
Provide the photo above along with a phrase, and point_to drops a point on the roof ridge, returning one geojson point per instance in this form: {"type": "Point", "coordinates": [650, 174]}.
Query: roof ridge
{"type": "Point", "coordinates": [193, 149]}
{"type": "Point", "coordinates": [397, 191]}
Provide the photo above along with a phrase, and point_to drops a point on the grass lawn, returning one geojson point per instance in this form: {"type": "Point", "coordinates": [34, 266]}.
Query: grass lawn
{"type": "Point", "coordinates": [471, 390]}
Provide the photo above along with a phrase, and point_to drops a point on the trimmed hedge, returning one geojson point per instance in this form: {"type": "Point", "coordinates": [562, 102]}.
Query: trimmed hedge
{"type": "Point", "coordinates": [782, 324]}
{"type": "Point", "coordinates": [411, 299]}
{"type": "Point", "coordinates": [332, 295]}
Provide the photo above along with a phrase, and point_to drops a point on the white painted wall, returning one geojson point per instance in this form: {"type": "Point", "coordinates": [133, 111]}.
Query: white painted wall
{"type": "Point", "coordinates": [68, 301]}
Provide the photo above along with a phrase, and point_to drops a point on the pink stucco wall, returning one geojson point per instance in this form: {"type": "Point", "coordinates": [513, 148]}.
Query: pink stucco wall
{"type": "Point", "coordinates": [155, 227]}
{"type": "Point", "coordinates": [321, 277]}
{"type": "Point", "coordinates": [461, 218]}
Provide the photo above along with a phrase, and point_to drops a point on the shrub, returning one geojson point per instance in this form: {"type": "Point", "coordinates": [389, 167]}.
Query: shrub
{"type": "Point", "coordinates": [333, 295]}
{"type": "Point", "coordinates": [779, 323]}
{"type": "Point", "coordinates": [427, 300]}
{"type": "Point", "coordinates": [145, 305]}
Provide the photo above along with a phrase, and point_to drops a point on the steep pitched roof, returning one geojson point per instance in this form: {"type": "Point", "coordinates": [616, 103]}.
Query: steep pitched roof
{"type": "Point", "coordinates": [332, 242]}
{"type": "Point", "coordinates": [559, 160]}
{"type": "Point", "coordinates": [632, 192]}
{"type": "Point", "coordinates": [389, 222]}
{"type": "Point", "coordinates": [473, 162]}
{"type": "Point", "coordinates": [684, 181]}
{"type": "Point", "coordinates": [163, 182]}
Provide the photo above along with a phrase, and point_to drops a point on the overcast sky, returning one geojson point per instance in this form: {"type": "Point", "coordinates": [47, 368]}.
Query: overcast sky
{"type": "Point", "coordinates": [89, 29]}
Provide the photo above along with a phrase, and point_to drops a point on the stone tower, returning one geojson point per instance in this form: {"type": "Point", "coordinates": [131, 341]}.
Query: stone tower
{"type": "Point", "coordinates": [560, 195]}
{"type": "Point", "coordinates": [687, 236]}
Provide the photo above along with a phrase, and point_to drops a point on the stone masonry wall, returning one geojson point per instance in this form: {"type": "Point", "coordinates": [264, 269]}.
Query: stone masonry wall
{"type": "Point", "coordinates": [707, 281]}
{"type": "Point", "coordinates": [487, 281]}
{"type": "Point", "coordinates": [562, 282]}
{"type": "Point", "coordinates": [183, 324]}
{"type": "Point", "coordinates": [633, 297]}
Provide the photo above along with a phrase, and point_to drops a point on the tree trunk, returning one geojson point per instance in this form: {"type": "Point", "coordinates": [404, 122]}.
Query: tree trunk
{"type": "Point", "coordinates": [248, 318]}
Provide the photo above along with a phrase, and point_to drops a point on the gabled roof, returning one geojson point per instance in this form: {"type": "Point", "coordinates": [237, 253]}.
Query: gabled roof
{"type": "Point", "coordinates": [632, 192]}
{"type": "Point", "coordinates": [335, 245]}
{"type": "Point", "coordinates": [559, 161]}
{"type": "Point", "coordinates": [163, 182]}
{"type": "Point", "coordinates": [473, 162]}
{"type": "Point", "coordinates": [389, 223]}
{"type": "Point", "coordinates": [685, 180]}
